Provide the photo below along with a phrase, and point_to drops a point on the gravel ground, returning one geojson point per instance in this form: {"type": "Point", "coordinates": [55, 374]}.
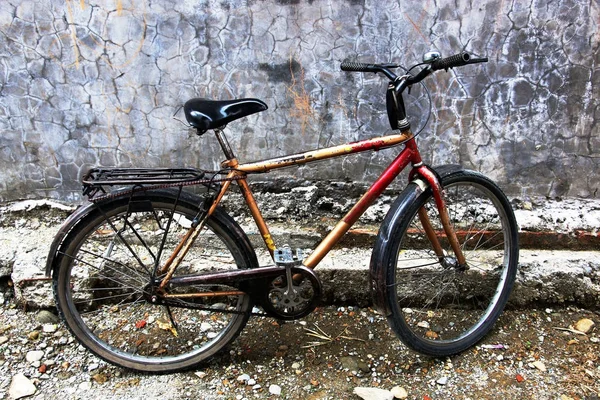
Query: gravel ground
{"type": "Point", "coordinates": [530, 354]}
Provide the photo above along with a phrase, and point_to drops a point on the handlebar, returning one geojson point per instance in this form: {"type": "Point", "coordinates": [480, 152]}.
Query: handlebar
{"type": "Point", "coordinates": [395, 103]}
{"type": "Point", "coordinates": [457, 60]}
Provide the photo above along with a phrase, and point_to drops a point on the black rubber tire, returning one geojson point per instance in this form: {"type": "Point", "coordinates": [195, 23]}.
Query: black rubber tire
{"type": "Point", "coordinates": [98, 278]}
{"type": "Point", "coordinates": [440, 310]}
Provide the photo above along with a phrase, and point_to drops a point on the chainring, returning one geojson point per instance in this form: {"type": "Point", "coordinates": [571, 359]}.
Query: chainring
{"type": "Point", "coordinates": [294, 300]}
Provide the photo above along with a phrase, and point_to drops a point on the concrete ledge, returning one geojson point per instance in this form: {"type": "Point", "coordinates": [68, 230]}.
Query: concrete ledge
{"type": "Point", "coordinates": [545, 276]}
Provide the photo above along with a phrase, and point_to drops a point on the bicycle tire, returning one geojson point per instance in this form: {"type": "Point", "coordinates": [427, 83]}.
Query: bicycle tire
{"type": "Point", "coordinates": [439, 310]}
{"type": "Point", "coordinates": [99, 282]}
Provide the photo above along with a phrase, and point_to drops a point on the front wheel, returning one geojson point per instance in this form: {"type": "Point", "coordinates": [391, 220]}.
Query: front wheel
{"type": "Point", "coordinates": [102, 282]}
{"type": "Point", "coordinates": [438, 307]}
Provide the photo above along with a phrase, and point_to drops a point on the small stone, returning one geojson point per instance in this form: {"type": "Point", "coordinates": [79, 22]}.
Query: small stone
{"type": "Point", "coordinates": [85, 386]}
{"type": "Point", "coordinates": [442, 381]}
{"type": "Point", "coordinates": [275, 389]}
{"type": "Point", "coordinates": [594, 339]}
{"type": "Point", "coordinates": [205, 326]}
{"type": "Point", "coordinates": [423, 324]}
{"type": "Point", "coordinates": [35, 335]}
{"type": "Point", "coordinates": [399, 392]}
{"type": "Point", "coordinates": [251, 382]}
{"type": "Point", "coordinates": [49, 328]}
{"type": "Point", "coordinates": [200, 374]}
{"type": "Point", "coordinates": [243, 378]}
{"type": "Point", "coordinates": [256, 387]}
{"type": "Point", "coordinates": [500, 357]}
{"type": "Point", "coordinates": [21, 386]}
{"type": "Point", "coordinates": [295, 365]}
{"type": "Point", "coordinates": [539, 365]}
{"type": "Point", "coordinates": [3, 339]}
{"type": "Point", "coordinates": [46, 317]}
{"type": "Point", "coordinates": [92, 367]}
{"type": "Point", "coordinates": [584, 325]}
{"type": "Point", "coordinates": [283, 347]}
{"type": "Point", "coordinates": [35, 355]}
{"type": "Point", "coordinates": [368, 393]}
{"type": "Point", "coordinates": [349, 363]}
{"type": "Point", "coordinates": [211, 335]}
{"type": "Point", "coordinates": [65, 365]}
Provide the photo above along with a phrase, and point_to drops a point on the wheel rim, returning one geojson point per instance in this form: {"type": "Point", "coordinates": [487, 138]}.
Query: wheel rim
{"type": "Point", "coordinates": [108, 294]}
{"type": "Point", "coordinates": [440, 303]}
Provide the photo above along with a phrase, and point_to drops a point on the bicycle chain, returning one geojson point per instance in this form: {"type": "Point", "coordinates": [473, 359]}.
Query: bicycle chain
{"type": "Point", "coordinates": [204, 308]}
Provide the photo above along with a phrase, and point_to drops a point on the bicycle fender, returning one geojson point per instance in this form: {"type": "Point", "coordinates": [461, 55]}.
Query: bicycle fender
{"type": "Point", "coordinates": [65, 228]}
{"type": "Point", "coordinates": [382, 258]}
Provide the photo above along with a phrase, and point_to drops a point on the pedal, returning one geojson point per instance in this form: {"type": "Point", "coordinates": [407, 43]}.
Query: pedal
{"type": "Point", "coordinates": [286, 257]}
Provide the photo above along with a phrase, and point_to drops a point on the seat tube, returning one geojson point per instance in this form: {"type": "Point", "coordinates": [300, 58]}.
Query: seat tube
{"type": "Point", "coordinates": [224, 144]}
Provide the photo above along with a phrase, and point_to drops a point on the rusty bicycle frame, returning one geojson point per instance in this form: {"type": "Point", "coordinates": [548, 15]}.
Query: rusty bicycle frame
{"type": "Point", "coordinates": [239, 172]}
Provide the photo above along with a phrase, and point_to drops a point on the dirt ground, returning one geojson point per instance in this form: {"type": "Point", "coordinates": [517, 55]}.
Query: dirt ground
{"type": "Point", "coordinates": [530, 354]}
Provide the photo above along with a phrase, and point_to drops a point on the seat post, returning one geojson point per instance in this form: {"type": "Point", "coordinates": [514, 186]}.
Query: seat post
{"type": "Point", "coordinates": [224, 143]}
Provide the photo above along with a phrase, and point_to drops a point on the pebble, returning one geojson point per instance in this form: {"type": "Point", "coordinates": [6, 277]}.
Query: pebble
{"type": "Point", "coordinates": [256, 387]}
{"type": "Point", "coordinates": [200, 374]}
{"type": "Point", "coordinates": [539, 365]}
{"type": "Point", "coordinates": [35, 355]}
{"type": "Point", "coordinates": [442, 381]}
{"type": "Point", "coordinates": [399, 392]}
{"type": "Point", "coordinates": [251, 382]}
{"type": "Point", "coordinates": [35, 335]}
{"type": "Point", "coordinates": [275, 389]}
{"type": "Point", "coordinates": [584, 325]}
{"type": "Point", "coordinates": [369, 393]}
{"type": "Point", "coordinates": [20, 387]}
{"type": "Point", "coordinates": [205, 326]}
{"type": "Point", "coordinates": [3, 339]}
{"type": "Point", "coordinates": [85, 386]}
{"type": "Point", "coordinates": [46, 317]}
{"type": "Point", "coordinates": [295, 365]}
{"type": "Point", "coordinates": [243, 378]}
{"type": "Point", "coordinates": [92, 367]}
{"type": "Point", "coordinates": [49, 328]}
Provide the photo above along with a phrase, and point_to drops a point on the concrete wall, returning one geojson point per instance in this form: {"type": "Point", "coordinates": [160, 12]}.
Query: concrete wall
{"type": "Point", "coordinates": [86, 83]}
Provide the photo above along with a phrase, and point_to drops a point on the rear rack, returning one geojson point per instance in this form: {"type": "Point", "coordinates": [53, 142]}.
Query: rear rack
{"type": "Point", "coordinates": [138, 179]}
{"type": "Point", "coordinates": [140, 176]}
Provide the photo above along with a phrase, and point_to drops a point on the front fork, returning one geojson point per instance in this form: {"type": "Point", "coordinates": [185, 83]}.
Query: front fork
{"type": "Point", "coordinates": [438, 195]}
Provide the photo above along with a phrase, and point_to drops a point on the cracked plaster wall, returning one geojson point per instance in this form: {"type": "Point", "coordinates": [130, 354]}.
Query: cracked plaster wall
{"type": "Point", "coordinates": [87, 83]}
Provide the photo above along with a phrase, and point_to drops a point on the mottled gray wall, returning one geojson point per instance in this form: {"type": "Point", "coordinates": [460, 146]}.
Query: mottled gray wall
{"type": "Point", "coordinates": [87, 83]}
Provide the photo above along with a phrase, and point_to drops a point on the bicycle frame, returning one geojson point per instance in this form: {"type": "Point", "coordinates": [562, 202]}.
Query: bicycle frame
{"type": "Point", "coordinates": [238, 172]}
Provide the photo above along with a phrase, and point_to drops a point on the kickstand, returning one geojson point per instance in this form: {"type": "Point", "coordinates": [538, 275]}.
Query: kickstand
{"type": "Point", "coordinates": [173, 323]}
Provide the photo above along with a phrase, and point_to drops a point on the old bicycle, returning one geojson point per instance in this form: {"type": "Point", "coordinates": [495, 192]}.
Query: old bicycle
{"type": "Point", "coordinates": [154, 278]}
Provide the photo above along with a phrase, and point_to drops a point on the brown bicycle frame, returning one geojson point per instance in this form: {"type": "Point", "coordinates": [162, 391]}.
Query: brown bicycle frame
{"type": "Point", "coordinates": [410, 154]}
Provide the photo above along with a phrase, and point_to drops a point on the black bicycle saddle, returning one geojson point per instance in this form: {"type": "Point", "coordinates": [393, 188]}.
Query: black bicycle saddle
{"type": "Point", "coordinates": [210, 114]}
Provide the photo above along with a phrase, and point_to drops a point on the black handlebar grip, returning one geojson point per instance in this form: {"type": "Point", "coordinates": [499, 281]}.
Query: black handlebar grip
{"type": "Point", "coordinates": [456, 60]}
{"type": "Point", "coordinates": [356, 66]}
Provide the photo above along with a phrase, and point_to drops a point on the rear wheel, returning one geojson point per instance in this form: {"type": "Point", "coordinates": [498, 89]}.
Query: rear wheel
{"type": "Point", "coordinates": [437, 307]}
{"type": "Point", "coordinates": [101, 283]}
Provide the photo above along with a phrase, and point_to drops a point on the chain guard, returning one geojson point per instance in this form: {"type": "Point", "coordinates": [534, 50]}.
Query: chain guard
{"type": "Point", "coordinates": [289, 302]}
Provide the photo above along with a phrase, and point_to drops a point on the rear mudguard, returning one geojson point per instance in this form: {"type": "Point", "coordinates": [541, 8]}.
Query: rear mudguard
{"type": "Point", "coordinates": [188, 199]}
{"type": "Point", "coordinates": [380, 258]}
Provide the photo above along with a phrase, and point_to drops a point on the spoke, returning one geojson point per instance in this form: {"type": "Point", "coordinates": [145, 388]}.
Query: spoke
{"type": "Point", "coordinates": [118, 233]}
{"type": "Point", "coordinates": [88, 313]}
{"type": "Point", "coordinates": [135, 232]}
{"type": "Point", "coordinates": [133, 278]}
{"type": "Point", "coordinates": [136, 272]}
{"type": "Point", "coordinates": [103, 298]}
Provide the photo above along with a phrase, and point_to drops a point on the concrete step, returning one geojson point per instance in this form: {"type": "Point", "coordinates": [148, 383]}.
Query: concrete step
{"type": "Point", "coordinates": [546, 276]}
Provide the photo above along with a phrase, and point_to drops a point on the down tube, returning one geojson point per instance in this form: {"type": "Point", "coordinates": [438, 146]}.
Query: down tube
{"type": "Point", "coordinates": [384, 180]}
